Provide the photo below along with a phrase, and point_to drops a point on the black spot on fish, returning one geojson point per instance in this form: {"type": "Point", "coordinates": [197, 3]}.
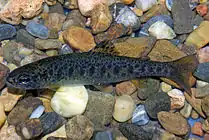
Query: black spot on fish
{"type": "Point", "coordinates": [81, 71]}
{"type": "Point", "coordinates": [70, 71]}
{"type": "Point", "coordinates": [116, 70]}
{"type": "Point", "coordinates": [123, 74]}
{"type": "Point", "coordinates": [109, 66]}
{"type": "Point", "coordinates": [130, 69]}
{"type": "Point", "coordinates": [158, 69]}
{"type": "Point", "coordinates": [91, 70]}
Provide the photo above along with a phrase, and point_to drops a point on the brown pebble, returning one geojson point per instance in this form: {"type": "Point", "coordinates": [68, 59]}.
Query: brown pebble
{"type": "Point", "coordinates": [126, 87]}
{"type": "Point", "coordinates": [197, 129]}
{"type": "Point", "coordinates": [194, 114]}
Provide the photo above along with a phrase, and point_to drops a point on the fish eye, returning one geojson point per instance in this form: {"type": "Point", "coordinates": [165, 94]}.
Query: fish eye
{"type": "Point", "coordinates": [24, 79]}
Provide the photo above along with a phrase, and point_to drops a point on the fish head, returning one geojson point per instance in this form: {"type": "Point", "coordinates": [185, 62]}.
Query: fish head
{"type": "Point", "coordinates": [23, 78]}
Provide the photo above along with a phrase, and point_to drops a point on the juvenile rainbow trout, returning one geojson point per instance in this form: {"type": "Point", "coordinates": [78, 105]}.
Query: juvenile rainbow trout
{"type": "Point", "coordinates": [94, 68]}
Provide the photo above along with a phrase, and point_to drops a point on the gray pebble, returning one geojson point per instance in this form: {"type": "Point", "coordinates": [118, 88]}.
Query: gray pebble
{"type": "Point", "coordinates": [140, 116]}
{"type": "Point", "coordinates": [7, 31]}
{"type": "Point", "coordinates": [25, 38]}
{"type": "Point", "coordinates": [202, 72]}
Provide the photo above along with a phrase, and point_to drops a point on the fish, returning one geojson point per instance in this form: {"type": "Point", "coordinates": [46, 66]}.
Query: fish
{"type": "Point", "coordinates": [91, 68]}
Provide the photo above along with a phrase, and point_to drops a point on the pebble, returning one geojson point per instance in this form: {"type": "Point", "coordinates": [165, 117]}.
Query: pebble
{"type": "Point", "coordinates": [70, 100]}
{"type": "Point", "coordinates": [101, 18]}
{"type": "Point", "coordinates": [22, 111]}
{"type": "Point", "coordinates": [145, 4]}
{"type": "Point", "coordinates": [11, 66]}
{"type": "Point", "coordinates": [74, 18]}
{"type": "Point", "coordinates": [31, 58]}
{"type": "Point", "coordinates": [7, 31]}
{"type": "Point", "coordinates": [197, 129]}
{"type": "Point", "coordinates": [177, 98]}
{"type": "Point", "coordinates": [8, 99]}
{"type": "Point", "coordinates": [202, 9]}
{"type": "Point", "coordinates": [37, 30]}
{"type": "Point", "coordinates": [186, 110]}
{"type": "Point", "coordinates": [51, 52]}
{"type": "Point", "coordinates": [206, 136]}
{"type": "Point", "coordinates": [205, 105]}
{"type": "Point", "coordinates": [100, 108]}
{"type": "Point", "coordinates": [79, 38]}
{"type": "Point", "coordinates": [205, 126]}
{"type": "Point", "coordinates": [46, 104]}
{"type": "Point", "coordinates": [61, 133]}
{"type": "Point", "coordinates": [199, 36]}
{"type": "Point", "coordinates": [147, 87]}
{"type": "Point", "coordinates": [123, 109]}
{"type": "Point", "coordinates": [203, 54]}
{"type": "Point", "coordinates": [200, 83]}
{"type": "Point", "coordinates": [37, 112]}
{"type": "Point", "coordinates": [25, 38]}
{"type": "Point", "coordinates": [161, 30]}
{"type": "Point", "coordinates": [2, 115]}
{"type": "Point", "coordinates": [202, 72]}
{"type": "Point", "coordinates": [140, 116]}
{"type": "Point", "coordinates": [57, 8]}
{"type": "Point", "coordinates": [125, 88]}
{"type": "Point", "coordinates": [173, 122]}
{"type": "Point", "coordinates": [165, 87]}
{"type": "Point", "coordinates": [23, 52]}
{"type": "Point", "coordinates": [195, 103]}
{"type": "Point", "coordinates": [30, 129]}
{"type": "Point", "coordinates": [124, 15]}
{"type": "Point", "coordinates": [194, 114]}
{"type": "Point", "coordinates": [51, 121]}
{"type": "Point", "coordinates": [65, 49]}
{"type": "Point", "coordinates": [70, 4]}
{"type": "Point", "coordinates": [4, 70]}
{"type": "Point", "coordinates": [201, 92]}
{"type": "Point", "coordinates": [156, 103]}
{"type": "Point", "coordinates": [182, 16]}
{"type": "Point", "coordinates": [104, 135]}
{"type": "Point", "coordinates": [169, 4]}
{"type": "Point", "coordinates": [43, 44]}
{"type": "Point", "coordinates": [79, 128]}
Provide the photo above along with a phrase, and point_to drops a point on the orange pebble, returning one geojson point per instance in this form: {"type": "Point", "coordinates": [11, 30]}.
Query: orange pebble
{"type": "Point", "coordinates": [202, 9]}
{"type": "Point", "coordinates": [197, 129]}
{"type": "Point", "coordinates": [127, 2]}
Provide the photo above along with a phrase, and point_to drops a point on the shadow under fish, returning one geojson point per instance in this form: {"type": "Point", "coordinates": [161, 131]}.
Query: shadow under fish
{"type": "Point", "coordinates": [90, 68]}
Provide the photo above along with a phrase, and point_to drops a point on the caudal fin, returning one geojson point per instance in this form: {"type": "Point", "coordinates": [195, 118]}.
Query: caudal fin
{"type": "Point", "coordinates": [183, 69]}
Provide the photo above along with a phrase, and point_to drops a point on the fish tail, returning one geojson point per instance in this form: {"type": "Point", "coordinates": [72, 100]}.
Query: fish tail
{"type": "Point", "coordinates": [183, 69]}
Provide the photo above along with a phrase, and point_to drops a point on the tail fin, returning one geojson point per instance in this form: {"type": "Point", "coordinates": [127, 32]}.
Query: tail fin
{"type": "Point", "coordinates": [184, 67]}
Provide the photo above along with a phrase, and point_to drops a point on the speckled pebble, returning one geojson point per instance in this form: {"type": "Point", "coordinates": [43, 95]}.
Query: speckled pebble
{"type": "Point", "coordinates": [177, 98]}
{"type": "Point", "coordinates": [7, 31]}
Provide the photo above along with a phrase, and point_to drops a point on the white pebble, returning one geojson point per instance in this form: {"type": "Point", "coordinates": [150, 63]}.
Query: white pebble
{"type": "Point", "coordinates": [124, 107]}
{"type": "Point", "coordinates": [145, 5]}
{"type": "Point", "coordinates": [37, 112]}
{"type": "Point", "coordinates": [161, 30]}
{"type": "Point", "coordinates": [201, 83]}
{"type": "Point", "coordinates": [70, 100]}
{"type": "Point", "coordinates": [165, 87]}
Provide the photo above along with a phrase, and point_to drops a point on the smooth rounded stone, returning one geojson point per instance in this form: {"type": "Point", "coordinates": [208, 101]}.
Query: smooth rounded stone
{"type": "Point", "coordinates": [124, 107]}
{"type": "Point", "coordinates": [164, 18]}
{"type": "Point", "coordinates": [51, 121]}
{"type": "Point", "coordinates": [65, 49]}
{"type": "Point", "coordinates": [169, 4]}
{"type": "Point", "coordinates": [37, 30]}
{"type": "Point", "coordinates": [104, 135]}
{"type": "Point", "coordinates": [100, 108]}
{"type": "Point", "coordinates": [202, 72]}
{"type": "Point", "coordinates": [199, 36]}
{"type": "Point", "coordinates": [158, 9]}
{"type": "Point", "coordinates": [197, 129]}
{"type": "Point", "coordinates": [30, 129]}
{"type": "Point", "coordinates": [2, 3]}
{"type": "Point", "coordinates": [203, 54]}
{"type": "Point", "coordinates": [24, 51]}
{"type": "Point", "coordinates": [145, 5]}
{"type": "Point", "coordinates": [74, 18]}
{"type": "Point", "coordinates": [7, 31]}
{"type": "Point", "coordinates": [202, 9]}
{"type": "Point", "coordinates": [61, 133]}
{"type": "Point", "coordinates": [47, 44]}
{"type": "Point", "coordinates": [161, 30]}
{"type": "Point", "coordinates": [156, 103]}
{"type": "Point", "coordinates": [186, 110]}
{"type": "Point", "coordinates": [79, 38]}
{"type": "Point", "coordinates": [11, 66]}
{"type": "Point", "coordinates": [31, 58]}
{"type": "Point", "coordinates": [147, 87]}
{"type": "Point", "coordinates": [8, 132]}
{"type": "Point", "coordinates": [165, 87]}
{"type": "Point", "coordinates": [205, 105]}
{"type": "Point", "coordinates": [4, 70]}
{"type": "Point", "coordinates": [182, 16]}
{"type": "Point", "coordinates": [194, 114]}
{"type": "Point", "coordinates": [124, 15]}
{"type": "Point", "coordinates": [125, 88]}
{"type": "Point", "coordinates": [2, 114]}
{"type": "Point", "coordinates": [201, 92]}
{"type": "Point", "coordinates": [25, 38]}
{"type": "Point", "coordinates": [177, 98]}
{"type": "Point", "coordinates": [55, 21]}
{"type": "Point", "coordinates": [8, 99]}
{"type": "Point", "coordinates": [57, 8]}
{"type": "Point", "coordinates": [101, 18]}
{"type": "Point", "coordinates": [79, 128]}
{"type": "Point", "coordinates": [173, 122]}
{"type": "Point", "coordinates": [140, 116]}
{"type": "Point", "coordinates": [70, 100]}
{"type": "Point", "coordinates": [70, 4]}
{"type": "Point", "coordinates": [37, 112]}
{"type": "Point", "coordinates": [200, 83]}
{"type": "Point", "coordinates": [51, 52]}
{"type": "Point", "coordinates": [22, 111]}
